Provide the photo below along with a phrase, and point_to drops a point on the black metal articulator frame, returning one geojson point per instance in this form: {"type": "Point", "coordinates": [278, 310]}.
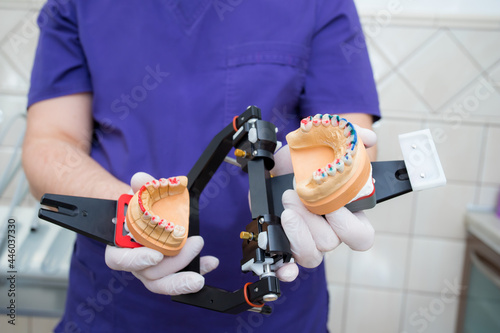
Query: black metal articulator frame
{"type": "Point", "coordinates": [257, 139]}
{"type": "Point", "coordinates": [256, 142]}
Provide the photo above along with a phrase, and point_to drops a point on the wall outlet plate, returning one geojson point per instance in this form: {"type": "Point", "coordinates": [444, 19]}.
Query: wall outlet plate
{"type": "Point", "coordinates": [422, 160]}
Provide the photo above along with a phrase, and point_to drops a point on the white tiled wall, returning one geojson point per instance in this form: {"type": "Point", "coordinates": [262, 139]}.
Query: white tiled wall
{"type": "Point", "coordinates": [437, 65]}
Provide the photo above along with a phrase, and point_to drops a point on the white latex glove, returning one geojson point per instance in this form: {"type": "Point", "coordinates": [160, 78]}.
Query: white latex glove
{"type": "Point", "coordinates": [312, 235]}
{"type": "Point", "coordinates": [156, 271]}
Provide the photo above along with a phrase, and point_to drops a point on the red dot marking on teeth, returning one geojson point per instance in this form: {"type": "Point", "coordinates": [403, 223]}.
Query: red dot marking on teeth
{"type": "Point", "coordinates": [141, 205]}
{"type": "Point", "coordinates": [174, 181]}
{"type": "Point", "coordinates": [304, 121]}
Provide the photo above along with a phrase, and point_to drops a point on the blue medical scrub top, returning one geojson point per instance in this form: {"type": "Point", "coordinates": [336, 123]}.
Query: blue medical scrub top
{"type": "Point", "coordinates": [166, 76]}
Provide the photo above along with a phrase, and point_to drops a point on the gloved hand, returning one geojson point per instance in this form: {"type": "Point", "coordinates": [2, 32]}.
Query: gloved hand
{"type": "Point", "coordinates": [157, 272]}
{"type": "Point", "coordinates": [312, 235]}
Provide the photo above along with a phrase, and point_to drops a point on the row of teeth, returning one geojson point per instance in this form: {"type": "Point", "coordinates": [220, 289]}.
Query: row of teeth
{"type": "Point", "coordinates": [331, 169]}
{"type": "Point", "coordinates": [178, 230]}
{"type": "Point", "coordinates": [155, 190]}
{"type": "Point", "coordinates": [326, 120]}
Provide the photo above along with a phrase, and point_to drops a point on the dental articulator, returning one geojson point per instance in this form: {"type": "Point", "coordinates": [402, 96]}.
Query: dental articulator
{"type": "Point", "coordinates": [331, 170]}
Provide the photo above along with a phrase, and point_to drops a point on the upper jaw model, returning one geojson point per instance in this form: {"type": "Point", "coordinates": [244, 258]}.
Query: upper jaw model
{"type": "Point", "coordinates": [330, 163]}
{"type": "Point", "coordinates": [158, 215]}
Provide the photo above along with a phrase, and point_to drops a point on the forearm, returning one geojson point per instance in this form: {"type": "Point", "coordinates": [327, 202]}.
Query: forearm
{"type": "Point", "coordinates": [56, 150]}
{"type": "Point", "coordinates": [55, 166]}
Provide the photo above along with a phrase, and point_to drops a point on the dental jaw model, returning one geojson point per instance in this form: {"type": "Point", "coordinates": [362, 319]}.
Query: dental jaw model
{"type": "Point", "coordinates": [158, 215]}
{"type": "Point", "coordinates": [330, 163]}
{"type": "Point", "coordinates": [321, 140]}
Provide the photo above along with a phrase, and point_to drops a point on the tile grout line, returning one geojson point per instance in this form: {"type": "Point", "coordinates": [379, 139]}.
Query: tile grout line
{"type": "Point", "coordinates": [396, 67]}
{"type": "Point", "coordinates": [14, 66]}
{"type": "Point", "coordinates": [435, 35]}
{"type": "Point", "coordinates": [390, 290]}
{"type": "Point", "coordinates": [412, 234]}
{"type": "Point", "coordinates": [16, 5]}
{"type": "Point", "coordinates": [464, 49]}
{"type": "Point", "coordinates": [16, 27]}
{"type": "Point", "coordinates": [482, 71]}
{"type": "Point", "coordinates": [447, 32]}
{"type": "Point", "coordinates": [480, 171]}
{"type": "Point", "coordinates": [408, 263]}
{"type": "Point", "coordinates": [396, 114]}
{"type": "Point", "coordinates": [30, 13]}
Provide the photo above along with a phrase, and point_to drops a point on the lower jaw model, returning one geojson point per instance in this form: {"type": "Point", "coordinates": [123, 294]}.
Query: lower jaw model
{"type": "Point", "coordinates": [330, 163]}
{"type": "Point", "coordinates": [168, 198]}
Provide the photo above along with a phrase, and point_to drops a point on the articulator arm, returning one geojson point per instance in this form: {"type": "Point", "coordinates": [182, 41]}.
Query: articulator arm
{"type": "Point", "coordinates": [265, 245]}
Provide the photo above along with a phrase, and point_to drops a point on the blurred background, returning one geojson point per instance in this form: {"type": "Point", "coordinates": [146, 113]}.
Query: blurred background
{"type": "Point", "coordinates": [437, 66]}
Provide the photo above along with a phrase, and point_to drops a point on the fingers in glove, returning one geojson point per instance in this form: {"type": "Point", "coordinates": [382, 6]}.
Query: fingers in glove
{"type": "Point", "coordinates": [208, 264]}
{"type": "Point", "coordinates": [283, 162]}
{"type": "Point", "coordinates": [368, 136]}
{"type": "Point", "coordinates": [131, 259]}
{"type": "Point", "coordinates": [301, 241]}
{"type": "Point", "coordinates": [139, 179]}
{"type": "Point", "coordinates": [354, 229]}
{"type": "Point", "coordinates": [323, 235]}
{"type": "Point", "coordinates": [170, 265]}
{"type": "Point", "coordinates": [174, 284]}
{"type": "Point", "coordinates": [288, 272]}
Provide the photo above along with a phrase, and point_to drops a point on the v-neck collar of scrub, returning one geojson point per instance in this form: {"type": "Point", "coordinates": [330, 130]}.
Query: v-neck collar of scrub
{"type": "Point", "coordinates": [188, 12]}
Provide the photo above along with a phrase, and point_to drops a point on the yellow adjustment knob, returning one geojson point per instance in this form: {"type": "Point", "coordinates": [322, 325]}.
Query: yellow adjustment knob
{"type": "Point", "coordinates": [247, 235]}
{"type": "Point", "coordinates": [240, 153]}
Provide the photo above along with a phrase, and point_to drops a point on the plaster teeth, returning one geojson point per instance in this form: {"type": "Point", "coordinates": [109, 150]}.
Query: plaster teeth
{"type": "Point", "coordinates": [342, 123]}
{"type": "Point", "coordinates": [348, 130]}
{"type": "Point", "coordinates": [326, 120]}
{"type": "Point", "coordinates": [154, 220]}
{"type": "Point", "coordinates": [169, 226]}
{"type": "Point", "coordinates": [320, 176]}
{"type": "Point", "coordinates": [163, 190]}
{"type": "Point", "coordinates": [306, 124]}
{"type": "Point", "coordinates": [179, 231]}
{"type": "Point", "coordinates": [317, 120]}
{"type": "Point", "coordinates": [339, 164]}
{"type": "Point", "coordinates": [335, 120]}
{"type": "Point", "coordinates": [146, 217]}
{"type": "Point", "coordinates": [347, 159]}
{"type": "Point", "coordinates": [154, 184]}
{"type": "Point", "coordinates": [174, 181]}
{"type": "Point", "coordinates": [353, 149]}
{"type": "Point", "coordinates": [330, 169]}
